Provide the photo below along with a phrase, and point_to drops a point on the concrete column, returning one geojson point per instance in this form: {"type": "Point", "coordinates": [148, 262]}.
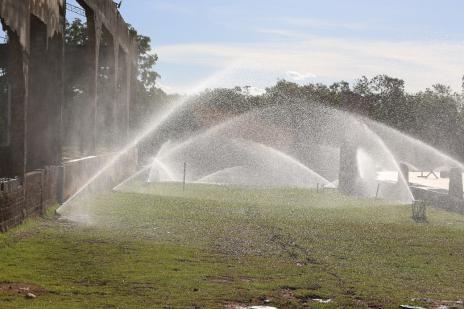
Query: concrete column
{"type": "Point", "coordinates": [45, 99]}
{"type": "Point", "coordinates": [132, 88]}
{"type": "Point", "coordinates": [455, 183]}
{"type": "Point", "coordinates": [115, 102]}
{"type": "Point", "coordinates": [348, 173]}
{"type": "Point", "coordinates": [56, 67]}
{"type": "Point", "coordinates": [59, 52]}
{"type": "Point", "coordinates": [93, 48]}
{"type": "Point", "coordinates": [123, 93]}
{"type": "Point", "coordinates": [127, 99]}
{"type": "Point", "coordinates": [17, 68]}
{"type": "Point", "coordinates": [404, 170]}
{"type": "Point", "coordinates": [39, 93]}
{"type": "Point", "coordinates": [107, 91]}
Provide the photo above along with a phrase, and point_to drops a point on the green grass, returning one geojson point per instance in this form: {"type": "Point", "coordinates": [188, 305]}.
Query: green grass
{"type": "Point", "coordinates": [210, 246]}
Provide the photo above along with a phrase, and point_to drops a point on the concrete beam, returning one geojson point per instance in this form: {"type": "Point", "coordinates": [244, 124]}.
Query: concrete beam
{"type": "Point", "coordinates": [404, 170]}
{"type": "Point", "coordinates": [455, 183]}
{"type": "Point", "coordinates": [15, 163]}
{"type": "Point", "coordinates": [348, 173]}
{"type": "Point", "coordinates": [93, 50]}
{"type": "Point", "coordinates": [45, 99]}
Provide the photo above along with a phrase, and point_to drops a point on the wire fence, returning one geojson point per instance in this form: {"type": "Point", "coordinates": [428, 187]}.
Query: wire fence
{"type": "Point", "coordinates": [75, 9]}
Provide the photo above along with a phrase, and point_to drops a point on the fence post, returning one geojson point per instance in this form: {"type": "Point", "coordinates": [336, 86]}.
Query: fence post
{"type": "Point", "coordinates": [185, 172]}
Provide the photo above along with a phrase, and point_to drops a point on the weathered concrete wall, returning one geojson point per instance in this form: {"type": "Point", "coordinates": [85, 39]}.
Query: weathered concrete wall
{"type": "Point", "coordinates": [43, 188]}
{"type": "Point", "coordinates": [35, 69]}
{"type": "Point", "coordinates": [51, 185]}
{"type": "Point", "coordinates": [13, 154]}
{"type": "Point", "coordinates": [44, 108]}
{"type": "Point", "coordinates": [108, 15]}
{"type": "Point", "coordinates": [438, 199]}
{"type": "Point", "coordinates": [34, 193]}
{"type": "Point", "coordinates": [18, 202]}
{"type": "Point", "coordinates": [110, 44]}
{"type": "Point", "coordinates": [12, 203]}
{"type": "Point", "coordinates": [50, 12]}
{"type": "Point", "coordinates": [16, 15]}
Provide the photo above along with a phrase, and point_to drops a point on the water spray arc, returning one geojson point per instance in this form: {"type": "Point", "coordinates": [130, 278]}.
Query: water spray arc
{"type": "Point", "coordinates": [296, 145]}
{"type": "Point", "coordinates": [153, 125]}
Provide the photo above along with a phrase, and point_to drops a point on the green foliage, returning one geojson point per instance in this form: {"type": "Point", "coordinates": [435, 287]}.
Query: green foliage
{"type": "Point", "coordinates": [434, 115]}
{"type": "Point", "coordinates": [146, 61]}
{"type": "Point", "coordinates": [150, 99]}
{"type": "Point", "coordinates": [76, 33]}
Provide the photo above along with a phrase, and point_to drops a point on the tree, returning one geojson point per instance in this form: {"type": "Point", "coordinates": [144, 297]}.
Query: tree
{"type": "Point", "coordinates": [149, 98]}
{"type": "Point", "coordinates": [76, 33]}
{"type": "Point", "coordinates": [438, 120]}
{"type": "Point", "coordinates": [146, 60]}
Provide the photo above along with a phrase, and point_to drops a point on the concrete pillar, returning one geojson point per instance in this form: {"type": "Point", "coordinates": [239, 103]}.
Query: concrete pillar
{"type": "Point", "coordinates": [39, 93]}
{"type": "Point", "coordinates": [56, 69]}
{"type": "Point", "coordinates": [115, 105]}
{"type": "Point", "coordinates": [455, 183]}
{"type": "Point", "coordinates": [133, 86]}
{"type": "Point", "coordinates": [404, 170]}
{"type": "Point", "coordinates": [45, 98]}
{"type": "Point", "coordinates": [107, 92]}
{"type": "Point", "coordinates": [127, 99]}
{"type": "Point", "coordinates": [93, 47]}
{"type": "Point", "coordinates": [59, 52]}
{"type": "Point", "coordinates": [17, 70]}
{"type": "Point", "coordinates": [123, 94]}
{"type": "Point", "coordinates": [60, 185]}
{"type": "Point", "coordinates": [348, 172]}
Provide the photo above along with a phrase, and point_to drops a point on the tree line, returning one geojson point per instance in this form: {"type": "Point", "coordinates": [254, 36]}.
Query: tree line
{"type": "Point", "coordinates": [434, 115]}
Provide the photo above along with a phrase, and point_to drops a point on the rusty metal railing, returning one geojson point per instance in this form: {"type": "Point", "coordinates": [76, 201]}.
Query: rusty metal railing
{"type": "Point", "coordinates": [9, 184]}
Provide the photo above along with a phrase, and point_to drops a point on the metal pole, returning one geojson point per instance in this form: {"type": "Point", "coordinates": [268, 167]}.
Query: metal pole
{"type": "Point", "coordinates": [185, 171]}
{"type": "Point", "coordinates": [377, 192]}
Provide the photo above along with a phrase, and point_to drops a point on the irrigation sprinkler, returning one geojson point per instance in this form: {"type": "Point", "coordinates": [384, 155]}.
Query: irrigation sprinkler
{"type": "Point", "coordinates": [185, 172]}
{"type": "Point", "coordinates": [419, 211]}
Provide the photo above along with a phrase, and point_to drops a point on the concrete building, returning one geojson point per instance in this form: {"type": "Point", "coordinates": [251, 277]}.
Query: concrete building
{"type": "Point", "coordinates": [35, 66]}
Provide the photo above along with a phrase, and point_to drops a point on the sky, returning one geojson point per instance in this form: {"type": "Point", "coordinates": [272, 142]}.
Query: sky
{"type": "Point", "coordinates": [217, 43]}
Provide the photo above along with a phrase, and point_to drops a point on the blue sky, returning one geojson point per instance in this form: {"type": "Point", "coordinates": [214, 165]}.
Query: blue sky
{"type": "Point", "coordinates": [206, 43]}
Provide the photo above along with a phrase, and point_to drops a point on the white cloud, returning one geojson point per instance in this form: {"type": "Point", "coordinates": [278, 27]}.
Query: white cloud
{"type": "Point", "coordinates": [169, 89]}
{"type": "Point", "coordinates": [420, 64]}
{"type": "Point", "coordinates": [314, 23]}
{"type": "Point", "coordinates": [297, 76]}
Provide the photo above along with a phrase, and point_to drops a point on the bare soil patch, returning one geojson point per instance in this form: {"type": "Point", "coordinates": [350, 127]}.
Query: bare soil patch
{"type": "Point", "coordinates": [21, 288]}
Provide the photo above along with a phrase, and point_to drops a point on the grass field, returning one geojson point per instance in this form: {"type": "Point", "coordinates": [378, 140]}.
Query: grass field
{"type": "Point", "coordinates": [218, 247]}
